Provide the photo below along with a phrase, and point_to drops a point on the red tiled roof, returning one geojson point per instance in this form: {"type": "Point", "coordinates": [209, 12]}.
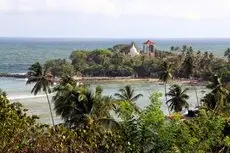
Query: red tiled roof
{"type": "Point", "coordinates": [149, 42]}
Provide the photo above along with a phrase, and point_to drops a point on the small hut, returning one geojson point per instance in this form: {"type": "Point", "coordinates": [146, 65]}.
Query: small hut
{"type": "Point", "coordinates": [149, 48]}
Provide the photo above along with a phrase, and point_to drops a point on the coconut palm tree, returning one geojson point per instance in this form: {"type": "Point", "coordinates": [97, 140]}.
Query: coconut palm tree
{"type": "Point", "coordinates": [3, 93]}
{"type": "Point", "coordinates": [103, 104]}
{"type": "Point", "coordinates": [178, 98]}
{"type": "Point", "coordinates": [128, 94]}
{"type": "Point", "coordinates": [43, 80]}
{"type": "Point", "coordinates": [165, 76]}
{"type": "Point", "coordinates": [210, 101]}
{"type": "Point", "coordinates": [218, 88]}
{"type": "Point", "coordinates": [189, 66]}
{"type": "Point", "coordinates": [78, 107]}
{"type": "Point", "coordinates": [184, 49]}
{"type": "Point", "coordinates": [172, 48]}
{"type": "Point", "coordinates": [227, 54]}
{"type": "Point", "coordinates": [67, 79]}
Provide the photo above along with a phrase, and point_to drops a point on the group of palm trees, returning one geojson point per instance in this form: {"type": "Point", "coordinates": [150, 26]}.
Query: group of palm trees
{"type": "Point", "coordinates": [178, 96]}
{"type": "Point", "coordinates": [216, 100]}
{"type": "Point", "coordinates": [77, 105]}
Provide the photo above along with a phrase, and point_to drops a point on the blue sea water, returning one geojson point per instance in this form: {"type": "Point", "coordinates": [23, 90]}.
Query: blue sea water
{"type": "Point", "coordinates": [16, 54]}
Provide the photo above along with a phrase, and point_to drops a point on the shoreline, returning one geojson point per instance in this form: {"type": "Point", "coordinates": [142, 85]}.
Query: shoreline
{"type": "Point", "coordinates": [116, 79]}
{"type": "Point", "coordinates": [131, 79]}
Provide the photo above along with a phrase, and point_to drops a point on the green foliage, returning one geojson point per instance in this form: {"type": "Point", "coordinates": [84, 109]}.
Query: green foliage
{"type": "Point", "coordinates": [14, 124]}
{"type": "Point", "coordinates": [149, 131]}
{"type": "Point", "coordinates": [60, 67]}
{"type": "Point", "coordinates": [178, 99]}
{"type": "Point", "coordinates": [202, 134]}
{"type": "Point", "coordinates": [21, 133]}
{"type": "Point", "coordinates": [227, 54]}
{"type": "Point", "coordinates": [99, 52]}
{"type": "Point", "coordinates": [126, 110]}
{"type": "Point", "coordinates": [114, 62]}
{"type": "Point", "coordinates": [3, 93]}
{"type": "Point", "coordinates": [127, 94]}
{"type": "Point", "coordinates": [166, 72]}
{"type": "Point", "coordinates": [42, 80]}
{"type": "Point", "coordinates": [88, 116]}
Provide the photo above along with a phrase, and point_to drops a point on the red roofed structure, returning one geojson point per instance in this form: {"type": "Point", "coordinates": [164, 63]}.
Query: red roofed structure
{"type": "Point", "coordinates": [149, 48]}
{"type": "Point", "coordinates": [149, 42]}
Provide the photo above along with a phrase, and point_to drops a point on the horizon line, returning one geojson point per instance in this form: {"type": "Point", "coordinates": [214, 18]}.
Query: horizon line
{"type": "Point", "coordinates": [63, 37]}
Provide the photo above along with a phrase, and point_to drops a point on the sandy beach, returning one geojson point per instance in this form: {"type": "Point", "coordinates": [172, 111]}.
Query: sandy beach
{"type": "Point", "coordinates": [130, 79]}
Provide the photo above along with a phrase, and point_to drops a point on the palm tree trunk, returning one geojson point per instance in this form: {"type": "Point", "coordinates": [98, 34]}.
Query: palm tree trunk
{"type": "Point", "coordinates": [194, 87]}
{"type": "Point", "coordinates": [52, 118]}
{"type": "Point", "coordinates": [166, 99]}
{"type": "Point", "coordinates": [197, 99]}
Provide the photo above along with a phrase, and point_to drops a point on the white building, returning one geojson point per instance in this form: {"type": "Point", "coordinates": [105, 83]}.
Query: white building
{"type": "Point", "coordinates": [133, 51]}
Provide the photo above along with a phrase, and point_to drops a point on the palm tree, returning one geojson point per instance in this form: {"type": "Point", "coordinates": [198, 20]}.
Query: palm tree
{"type": "Point", "coordinates": [210, 101]}
{"type": "Point", "coordinates": [165, 76]}
{"type": "Point", "coordinates": [78, 107]}
{"type": "Point", "coordinates": [128, 94]}
{"type": "Point", "coordinates": [189, 66]}
{"type": "Point", "coordinates": [103, 104]}
{"type": "Point", "coordinates": [218, 88]}
{"type": "Point", "coordinates": [172, 48]}
{"type": "Point", "coordinates": [67, 79]}
{"type": "Point", "coordinates": [178, 98]}
{"type": "Point", "coordinates": [184, 49]}
{"type": "Point", "coordinates": [43, 80]}
{"type": "Point", "coordinates": [227, 54]}
{"type": "Point", "coordinates": [3, 93]}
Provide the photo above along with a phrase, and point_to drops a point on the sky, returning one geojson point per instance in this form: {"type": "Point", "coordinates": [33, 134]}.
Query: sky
{"type": "Point", "coordinates": [115, 18]}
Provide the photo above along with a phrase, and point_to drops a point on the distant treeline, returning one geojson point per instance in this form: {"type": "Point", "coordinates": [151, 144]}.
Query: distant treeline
{"type": "Point", "coordinates": [111, 62]}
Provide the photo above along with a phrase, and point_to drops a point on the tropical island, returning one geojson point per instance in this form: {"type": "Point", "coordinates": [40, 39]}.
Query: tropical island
{"type": "Point", "coordinates": [93, 122]}
{"type": "Point", "coordinates": [127, 61]}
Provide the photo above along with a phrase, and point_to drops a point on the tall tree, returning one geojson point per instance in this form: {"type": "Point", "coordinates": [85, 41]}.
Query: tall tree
{"type": "Point", "coordinates": [128, 94]}
{"type": "Point", "coordinates": [189, 69]}
{"type": "Point", "coordinates": [43, 80]}
{"type": "Point", "coordinates": [103, 104]}
{"type": "Point", "coordinates": [3, 93]}
{"type": "Point", "coordinates": [165, 76]}
{"type": "Point", "coordinates": [178, 98]}
{"type": "Point", "coordinates": [218, 89]}
{"type": "Point", "coordinates": [78, 107]}
{"type": "Point", "coordinates": [227, 54]}
{"type": "Point", "coordinates": [184, 49]}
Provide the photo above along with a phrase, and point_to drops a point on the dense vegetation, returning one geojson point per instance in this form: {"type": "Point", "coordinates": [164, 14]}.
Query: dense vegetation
{"type": "Point", "coordinates": [93, 122]}
{"type": "Point", "coordinates": [111, 62]}
{"type": "Point", "coordinates": [89, 126]}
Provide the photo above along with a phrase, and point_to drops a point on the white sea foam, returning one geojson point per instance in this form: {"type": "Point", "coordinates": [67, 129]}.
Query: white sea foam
{"type": "Point", "coordinates": [24, 97]}
{"type": "Point", "coordinates": [22, 79]}
{"type": "Point", "coordinates": [17, 73]}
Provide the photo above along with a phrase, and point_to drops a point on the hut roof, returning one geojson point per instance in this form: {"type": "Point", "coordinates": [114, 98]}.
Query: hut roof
{"type": "Point", "coordinates": [149, 42]}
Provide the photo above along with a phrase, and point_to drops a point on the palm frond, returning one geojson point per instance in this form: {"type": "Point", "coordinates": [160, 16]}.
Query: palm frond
{"type": "Point", "coordinates": [135, 98]}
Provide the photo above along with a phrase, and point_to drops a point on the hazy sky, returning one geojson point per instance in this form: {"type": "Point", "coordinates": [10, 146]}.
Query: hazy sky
{"type": "Point", "coordinates": [115, 18]}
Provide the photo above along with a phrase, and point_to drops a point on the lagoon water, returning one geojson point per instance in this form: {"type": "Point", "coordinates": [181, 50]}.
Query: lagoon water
{"type": "Point", "coordinates": [18, 91]}
{"type": "Point", "coordinates": [18, 53]}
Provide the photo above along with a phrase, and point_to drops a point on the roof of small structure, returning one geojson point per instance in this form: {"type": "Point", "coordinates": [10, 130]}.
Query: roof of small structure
{"type": "Point", "coordinates": [149, 42]}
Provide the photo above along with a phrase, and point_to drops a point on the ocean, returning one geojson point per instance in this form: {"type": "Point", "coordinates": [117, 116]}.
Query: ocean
{"type": "Point", "coordinates": [17, 54]}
